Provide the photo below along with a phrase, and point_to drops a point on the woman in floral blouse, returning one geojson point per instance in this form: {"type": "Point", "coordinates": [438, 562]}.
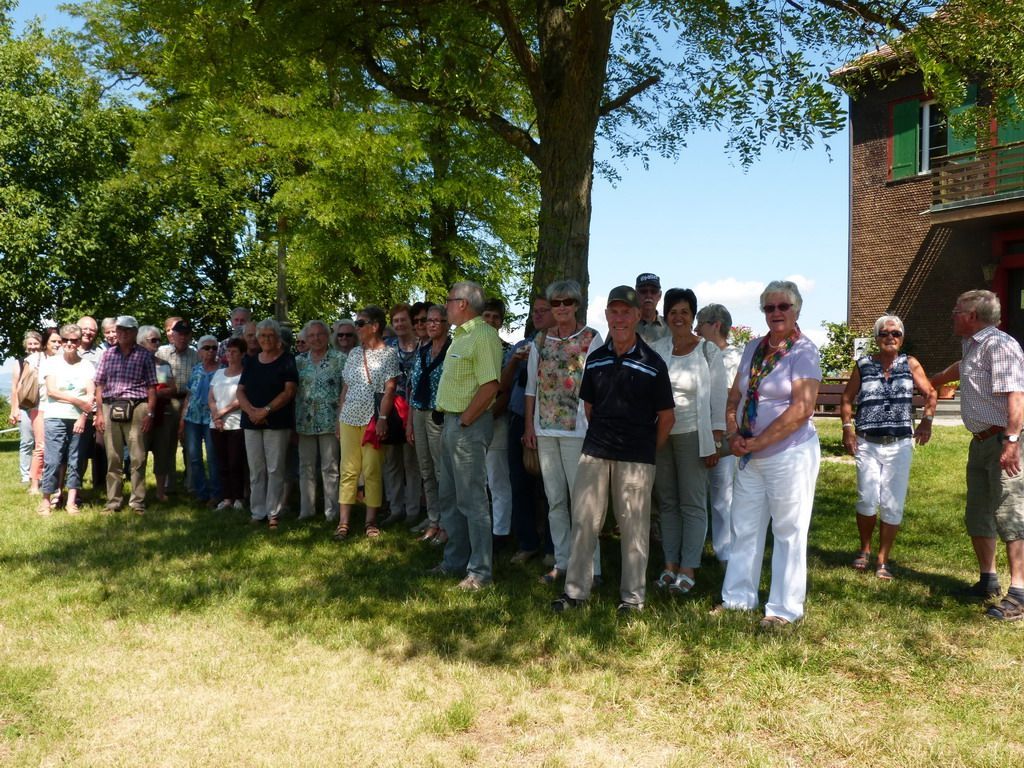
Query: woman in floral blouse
{"type": "Point", "coordinates": [371, 369]}
{"type": "Point", "coordinates": [320, 370]}
{"type": "Point", "coordinates": [195, 424]}
{"type": "Point", "coordinates": [555, 420]}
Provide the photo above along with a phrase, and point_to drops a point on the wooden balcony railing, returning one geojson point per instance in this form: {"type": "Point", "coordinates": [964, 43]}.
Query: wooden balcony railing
{"type": "Point", "coordinates": [979, 176]}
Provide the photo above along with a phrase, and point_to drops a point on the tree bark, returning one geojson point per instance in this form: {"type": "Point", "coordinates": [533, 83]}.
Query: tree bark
{"type": "Point", "coordinates": [573, 68]}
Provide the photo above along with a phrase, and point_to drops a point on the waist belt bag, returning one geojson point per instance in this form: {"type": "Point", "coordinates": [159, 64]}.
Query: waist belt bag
{"type": "Point", "coordinates": [122, 410]}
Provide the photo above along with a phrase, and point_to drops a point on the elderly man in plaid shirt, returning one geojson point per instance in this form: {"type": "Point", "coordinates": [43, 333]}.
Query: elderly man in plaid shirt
{"type": "Point", "coordinates": [991, 373]}
{"type": "Point", "coordinates": [125, 402]}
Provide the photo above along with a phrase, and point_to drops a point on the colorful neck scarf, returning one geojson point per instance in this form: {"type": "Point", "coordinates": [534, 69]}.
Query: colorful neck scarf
{"type": "Point", "coordinates": [764, 361]}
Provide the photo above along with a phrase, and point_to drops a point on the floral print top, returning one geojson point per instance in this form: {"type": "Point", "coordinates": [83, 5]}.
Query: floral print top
{"type": "Point", "coordinates": [383, 365]}
{"type": "Point", "coordinates": [555, 370]}
{"type": "Point", "coordinates": [198, 411]}
{"type": "Point", "coordinates": [316, 402]}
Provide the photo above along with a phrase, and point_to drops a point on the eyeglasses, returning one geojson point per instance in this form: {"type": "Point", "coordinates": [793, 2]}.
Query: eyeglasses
{"type": "Point", "coordinates": [346, 335]}
{"type": "Point", "coordinates": [450, 299]}
{"type": "Point", "coordinates": [419, 321]}
{"type": "Point", "coordinates": [562, 303]}
{"type": "Point", "coordinates": [433, 320]}
{"type": "Point", "coordinates": [783, 307]}
{"type": "Point", "coordinates": [360, 323]}
{"type": "Point", "coordinates": [154, 340]}
{"type": "Point", "coordinates": [887, 334]}
{"type": "Point", "coordinates": [208, 348]}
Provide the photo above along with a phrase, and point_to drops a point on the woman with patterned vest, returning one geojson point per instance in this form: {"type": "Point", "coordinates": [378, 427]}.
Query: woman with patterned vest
{"type": "Point", "coordinates": [881, 436]}
{"type": "Point", "coordinates": [556, 422]}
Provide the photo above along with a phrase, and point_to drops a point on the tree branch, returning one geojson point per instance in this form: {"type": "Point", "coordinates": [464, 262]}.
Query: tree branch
{"type": "Point", "coordinates": [623, 98]}
{"type": "Point", "coordinates": [520, 48]}
{"type": "Point", "coordinates": [512, 134]}
{"type": "Point", "coordinates": [864, 11]}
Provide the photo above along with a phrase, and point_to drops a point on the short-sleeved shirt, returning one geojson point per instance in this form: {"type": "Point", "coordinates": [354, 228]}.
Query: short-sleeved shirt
{"type": "Point", "coordinates": [225, 392]}
{"type": "Point", "coordinates": [473, 359]}
{"type": "Point", "coordinates": [626, 393]}
{"type": "Point", "coordinates": [182, 364]}
{"type": "Point", "coordinates": [265, 381]}
{"type": "Point", "coordinates": [70, 379]}
{"type": "Point", "coordinates": [776, 391]}
{"type": "Point", "coordinates": [316, 404]}
{"type": "Point", "coordinates": [126, 376]}
{"type": "Point", "coordinates": [992, 365]}
{"type": "Point", "coordinates": [198, 411]}
{"type": "Point", "coordinates": [365, 381]}
{"type": "Point", "coordinates": [652, 331]}
{"type": "Point", "coordinates": [554, 373]}
{"type": "Point", "coordinates": [406, 360]}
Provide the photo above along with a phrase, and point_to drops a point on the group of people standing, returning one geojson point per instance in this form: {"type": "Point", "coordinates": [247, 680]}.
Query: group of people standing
{"type": "Point", "coordinates": [446, 427]}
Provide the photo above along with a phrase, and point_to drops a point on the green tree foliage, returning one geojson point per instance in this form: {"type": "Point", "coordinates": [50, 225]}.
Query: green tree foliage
{"type": "Point", "coordinates": [86, 226]}
{"type": "Point", "coordinates": [547, 77]}
{"type": "Point", "coordinates": [374, 200]}
{"type": "Point", "coordinates": [837, 356]}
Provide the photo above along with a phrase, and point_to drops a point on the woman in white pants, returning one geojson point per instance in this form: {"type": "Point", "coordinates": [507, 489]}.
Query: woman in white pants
{"type": "Point", "coordinates": [768, 418]}
{"type": "Point", "coordinates": [882, 439]}
{"type": "Point", "coordinates": [266, 397]}
{"type": "Point", "coordinates": [555, 420]}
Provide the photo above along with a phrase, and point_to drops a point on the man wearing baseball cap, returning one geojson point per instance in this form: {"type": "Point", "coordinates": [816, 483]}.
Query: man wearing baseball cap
{"type": "Point", "coordinates": [125, 401]}
{"type": "Point", "coordinates": [629, 404]}
{"type": "Point", "coordinates": [648, 291]}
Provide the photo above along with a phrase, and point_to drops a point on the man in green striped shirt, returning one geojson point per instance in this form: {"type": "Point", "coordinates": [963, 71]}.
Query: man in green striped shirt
{"type": "Point", "coordinates": [469, 383]}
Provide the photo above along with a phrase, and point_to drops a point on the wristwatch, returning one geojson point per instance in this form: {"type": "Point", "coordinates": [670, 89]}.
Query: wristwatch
{"type": "Point", "coordinates": [1012, 438]}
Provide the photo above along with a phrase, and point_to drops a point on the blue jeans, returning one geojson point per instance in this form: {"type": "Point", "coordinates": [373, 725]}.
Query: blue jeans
{"type": "Point", "coordinates": [205, 480]}
{"type": "Point", "coordinates": [462, 496]}
{"type": "Point", "coordinates": [60, 446]}
{"type": "Point", "coordinates": [26, 444]}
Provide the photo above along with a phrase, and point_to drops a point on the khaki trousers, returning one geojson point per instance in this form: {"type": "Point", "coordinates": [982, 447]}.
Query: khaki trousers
{"type": "Point", "coordinates": [115, 437]}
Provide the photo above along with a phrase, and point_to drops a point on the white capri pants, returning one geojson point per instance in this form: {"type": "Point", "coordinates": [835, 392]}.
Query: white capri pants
{"type": "Point", "coordinates": [883, 474]}
{"type": "Point", "coordinates": [777, 489]}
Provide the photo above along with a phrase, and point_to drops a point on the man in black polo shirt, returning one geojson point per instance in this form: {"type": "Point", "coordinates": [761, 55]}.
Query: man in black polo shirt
{"type": "Point", "coordinates": [628, 400]}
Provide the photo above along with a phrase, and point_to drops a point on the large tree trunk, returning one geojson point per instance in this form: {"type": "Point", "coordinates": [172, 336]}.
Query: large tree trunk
{"type": "Point", "coordinates": [573, 62]}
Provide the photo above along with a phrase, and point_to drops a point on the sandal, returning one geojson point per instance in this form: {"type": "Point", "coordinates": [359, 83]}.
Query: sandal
{"type": "Point", "coordinates": [341, 532]}
{"type": "Point", "coordinates": [883, 572]}
{"type": "Point", "coordinates": [551, 576]}
{"type": "Point", "coordinates": [72, 509]}
{"type": "Point", "coordinates": [666, 580]}
{"type": "Point", "coordinates": [682, 584]}
{"type": "Point", "coordinates": [440, 539]}
{"type": "Point", "coordinates": [272, 525]}
{"type": "Point", "coordinates": [429, 533]}
{"type": "Point", "coordinates": [773, 623]}
{"type": "Point", "coordinates": [372, 531]}
{"type": "Point", "coordinates": [1008, 609]}
{"type": "Point", "coordinates": [860, 562]}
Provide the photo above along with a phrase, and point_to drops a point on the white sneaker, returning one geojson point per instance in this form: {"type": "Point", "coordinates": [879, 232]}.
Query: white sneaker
{"type": "Point", "coordinates": [224, 504]}
{"type": "Point", "coordinates": [238, 504]}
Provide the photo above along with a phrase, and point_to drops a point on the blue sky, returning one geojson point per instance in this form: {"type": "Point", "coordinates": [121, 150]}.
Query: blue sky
{"type": "Point", "coordinates": [703, 222]}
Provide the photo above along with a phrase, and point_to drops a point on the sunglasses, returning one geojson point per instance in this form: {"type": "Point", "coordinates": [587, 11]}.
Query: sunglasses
{"type": "Point", "coordinates": [360, 323]}
{"type": "Point", "coordinates": [562, 302]}
{"type": "Point", "coordinates": [68, 341]}
{"type": "Point", "coordinates": [208, 348]}
{"type": "Point", "coordinates": [434, 320]}
{"type": "Point", "coordinates": [155, 340]}
{"type": "Point", "coordinates": [346, 335]}
{"type": "Point", "coordinates": [887, 334]}
{"type": "Point", "coordinates": [783, 307]}
{"type": "Point", "coordinates": [419, 321]}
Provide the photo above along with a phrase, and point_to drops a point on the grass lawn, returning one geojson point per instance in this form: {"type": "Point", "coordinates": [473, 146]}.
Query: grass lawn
{"type": "Point", "coordinates": [189, 638]}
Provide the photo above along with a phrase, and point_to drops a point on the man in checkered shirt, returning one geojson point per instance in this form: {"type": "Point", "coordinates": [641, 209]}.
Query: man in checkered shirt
{"type": "Point", "coordinates": [991, 373]}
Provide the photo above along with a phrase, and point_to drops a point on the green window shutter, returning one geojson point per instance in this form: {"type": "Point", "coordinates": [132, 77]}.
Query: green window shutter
{"type": "Point", "coordinates": [906, 116]}
{"type": "Point", "coordinates": [1012, 131]}
{"type": "Point", "coordinates": [954, 143]}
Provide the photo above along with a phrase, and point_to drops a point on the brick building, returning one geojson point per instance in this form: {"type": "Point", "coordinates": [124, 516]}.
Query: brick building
{"type": "Point", "coordinates": [931, 215]}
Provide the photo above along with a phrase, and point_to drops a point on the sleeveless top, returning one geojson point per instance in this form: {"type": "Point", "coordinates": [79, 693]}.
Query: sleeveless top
{"type": "Point", "coordinates": [885, 407]}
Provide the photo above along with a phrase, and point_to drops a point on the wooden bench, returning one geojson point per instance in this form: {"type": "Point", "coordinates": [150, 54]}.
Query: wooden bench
{"type": "Point", "coordinates": [830, 396]}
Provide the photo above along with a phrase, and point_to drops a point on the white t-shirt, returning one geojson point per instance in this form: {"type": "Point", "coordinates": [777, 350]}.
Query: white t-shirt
{"type": "Point", "coordinates": [67, 378]}
{"type": "Point", "coordinates": [225, 390]}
